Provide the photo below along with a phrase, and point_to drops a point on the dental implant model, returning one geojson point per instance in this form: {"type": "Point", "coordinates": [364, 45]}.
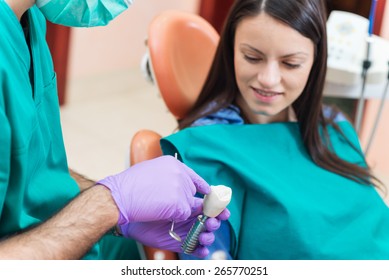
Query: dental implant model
{"type": "Point", "coordinates": [214, 204]}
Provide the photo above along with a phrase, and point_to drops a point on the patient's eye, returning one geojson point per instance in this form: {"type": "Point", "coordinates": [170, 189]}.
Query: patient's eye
{"type": "Point", "coordinates": [292, 65]}
{"type": "Point", "coordinates": [252, 59]}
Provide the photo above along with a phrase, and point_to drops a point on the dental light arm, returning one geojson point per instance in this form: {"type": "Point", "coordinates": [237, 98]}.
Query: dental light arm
{"type": "Point", "coordinates": [365, 67]}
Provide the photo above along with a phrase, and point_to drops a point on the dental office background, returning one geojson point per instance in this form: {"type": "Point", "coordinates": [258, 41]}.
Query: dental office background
{"type": "Point", "coordinates": [112, 53]}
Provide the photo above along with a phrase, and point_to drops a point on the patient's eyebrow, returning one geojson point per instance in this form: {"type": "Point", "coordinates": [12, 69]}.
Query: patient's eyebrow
{"type": "Point", "coordinates": [300, 53]}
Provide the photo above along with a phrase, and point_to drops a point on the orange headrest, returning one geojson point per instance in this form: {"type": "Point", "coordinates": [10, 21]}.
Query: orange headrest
{"type": "Point", "coordinates": [181, 49]}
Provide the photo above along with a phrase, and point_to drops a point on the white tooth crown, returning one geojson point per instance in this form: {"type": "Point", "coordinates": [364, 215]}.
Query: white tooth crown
{"type": "Point", "coordinates": [217, 200]}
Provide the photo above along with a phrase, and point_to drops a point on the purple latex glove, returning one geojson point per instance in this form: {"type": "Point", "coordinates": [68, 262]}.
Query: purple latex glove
{"type": "Point", "coordinates": [156, 234]}
{"type": "Point", "coordinates": [157, 189]}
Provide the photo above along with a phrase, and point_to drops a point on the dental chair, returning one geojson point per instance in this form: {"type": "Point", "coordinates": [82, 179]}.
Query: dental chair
{"type": "Point", "coordinates": [180, 50]}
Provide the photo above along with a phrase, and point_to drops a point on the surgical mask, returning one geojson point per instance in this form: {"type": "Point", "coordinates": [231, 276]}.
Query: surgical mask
{"type": "Point", "coordinates": [82, 13]}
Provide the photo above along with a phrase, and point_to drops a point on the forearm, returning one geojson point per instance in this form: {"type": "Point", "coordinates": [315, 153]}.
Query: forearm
{"type": "Point", "coordinates": [82, 181]}
{"type": "Point", "coordinates": [70, 233]}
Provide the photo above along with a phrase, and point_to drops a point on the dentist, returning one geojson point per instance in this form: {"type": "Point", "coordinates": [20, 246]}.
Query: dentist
{"type": "Point", "coordinates": [43, 215]}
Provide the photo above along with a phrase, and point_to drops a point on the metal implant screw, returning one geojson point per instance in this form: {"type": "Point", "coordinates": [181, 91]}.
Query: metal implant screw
{"type": "Point", "coordinates": [192, 239]}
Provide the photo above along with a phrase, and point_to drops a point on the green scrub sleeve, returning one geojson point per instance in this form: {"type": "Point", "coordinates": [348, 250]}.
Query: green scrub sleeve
{"type": "Point", "coordinates": [5, 154]}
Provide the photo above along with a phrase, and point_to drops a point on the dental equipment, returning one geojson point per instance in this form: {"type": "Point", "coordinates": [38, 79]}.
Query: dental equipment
{"type": "Point", "coordinates": [173, 234]}
{"type": "Point", "coordinates": [171, 231]}
{"type": "Point", "coordinates": [378, 116]}
{"type": "Point", "coordinates": [214, 203]}
{"type": "Point", "coordinates": [365, 67]}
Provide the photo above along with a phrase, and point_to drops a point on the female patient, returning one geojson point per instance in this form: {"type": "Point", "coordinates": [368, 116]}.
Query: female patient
{"type": "Point", "coordinates": [301, 186]}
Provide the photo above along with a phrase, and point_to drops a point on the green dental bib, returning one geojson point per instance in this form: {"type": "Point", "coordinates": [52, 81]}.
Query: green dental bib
{"type": "Point", "coordinates": [283, 205]}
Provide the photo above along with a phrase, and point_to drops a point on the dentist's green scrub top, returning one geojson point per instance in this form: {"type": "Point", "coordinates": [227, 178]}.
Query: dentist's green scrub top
{"type": "Point", "coordinates": [34, 178]}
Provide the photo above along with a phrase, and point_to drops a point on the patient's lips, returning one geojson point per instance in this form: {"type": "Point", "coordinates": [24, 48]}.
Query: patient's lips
{"type": "Point", "coordinates": [266, 95]}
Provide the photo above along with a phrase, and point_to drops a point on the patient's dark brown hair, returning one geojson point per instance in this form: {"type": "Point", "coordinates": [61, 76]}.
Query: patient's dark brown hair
{"type": "Point", "coordinates": [309, 18]}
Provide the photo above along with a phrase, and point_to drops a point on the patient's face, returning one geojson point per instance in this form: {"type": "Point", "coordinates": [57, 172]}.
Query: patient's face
{"type": "Point", "coordinates": [272, 63]}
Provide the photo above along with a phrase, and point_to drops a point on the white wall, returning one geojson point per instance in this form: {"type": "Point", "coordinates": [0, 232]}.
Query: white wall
{"type": "Point", "coordinates": [120, 45]}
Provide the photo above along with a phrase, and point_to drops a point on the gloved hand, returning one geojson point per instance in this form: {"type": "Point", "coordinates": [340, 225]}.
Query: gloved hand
{"type": "Point", "coordinates": [156, 234]}
{"type": "Point", "coordinates": [157, 189]}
